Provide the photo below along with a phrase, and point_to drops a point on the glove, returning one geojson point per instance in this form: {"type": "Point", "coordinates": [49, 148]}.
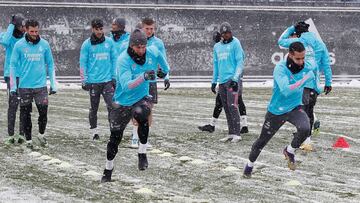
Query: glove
{"type": "Point", "coordinates": [301, 27]}
{"type": "Point", "coordinates": [52, 91]}
{"type": "Point", "coordinates": [160, 74]}
{"type": "Point", "coordinates": [216, 36]}
{"type": "Point", "coordinates": [13, 19]}
{"type": "Point", "coordinates": [149, 75]}
{"type": "Point", "coordinates": [166, 84]}
{"type": "Point", "coordinates": [113, 81]}
{"type": "Point", "coordinates": [213, 88]}
{"type": "Point", "coordinates": [85, 86]}
{"type": "Point", "coordinates": [234, 85]}
{"type": "Point", "coordinates": [327, 89]}
{"type": "Point", "coordinates": [17, 20]}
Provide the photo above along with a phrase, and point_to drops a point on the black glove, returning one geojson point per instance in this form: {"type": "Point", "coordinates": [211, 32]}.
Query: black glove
{"type": "Point", "coordinates": [166, 84]}
{"type": "Point", "coordinates": [52, 91]}
{"type": "Point", "coordinates": [113, 81]}
{"type": "Point", "coordinates": [216, 36]}
{"type": "Point", "coordinates": [17, 20]}
{"type": "Point", "coordinates": [85, 86]}
{"type": "Point", "coordinates": [149, 75]}
{"type": "Point", "coordinates": [234, 85]}
{"type": "Point", "coordinates": [301, 27]}
{"type": "Point", "coordinates": [213, 87]}
{"type": "Point", "coordinates": [327, 89]}
{"type": "Point", "coordinates": [160, 74]}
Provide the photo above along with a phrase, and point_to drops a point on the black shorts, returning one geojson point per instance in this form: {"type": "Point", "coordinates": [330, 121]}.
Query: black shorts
{"type": "Point", "coordinates": [39, 95]}
{"type": "Point", "coordinates": [153, 92]}
{"type": "Point", "coordinates": [120, 116]}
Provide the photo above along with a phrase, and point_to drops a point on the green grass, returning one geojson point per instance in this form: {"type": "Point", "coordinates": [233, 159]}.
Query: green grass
{"type": "Point", "coordinates": [176, 117]}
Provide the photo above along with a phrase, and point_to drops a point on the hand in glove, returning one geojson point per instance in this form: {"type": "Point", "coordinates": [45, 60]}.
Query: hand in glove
{"type": "Point", "coordinates": [85, 86]}
{"type": "Point", "coordinates": [166, 84]}
{"type": "Point", "coordinates": [149, 75]}
{"type": "Point", "coordinates": [52, 91]}
{"type": "Point", "coordinates": [327, 89]}
{"type": "Point", "coordinates": [213, 88]}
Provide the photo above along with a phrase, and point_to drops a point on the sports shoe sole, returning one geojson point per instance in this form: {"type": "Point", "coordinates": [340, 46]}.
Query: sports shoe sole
{"type": "Point", "coordinates": [291, 165]}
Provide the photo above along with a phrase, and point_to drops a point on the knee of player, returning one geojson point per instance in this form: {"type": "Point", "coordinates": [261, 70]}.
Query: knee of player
{"type": "Point", "coordinates": [141, 114]}
{"type": "Point", "coordinates": [304, 129]}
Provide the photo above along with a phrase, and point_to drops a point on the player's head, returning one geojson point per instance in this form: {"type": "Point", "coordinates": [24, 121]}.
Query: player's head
{"type": "Point", "coordinates": [301, 27]}
{"type": "Point", "coordinates": [297, 56]}
{"type": "Point", "coordinates": [148, 26]}
{"type": "Point", "coordinates": [97, 26]}
{"type": "Point", "coordinates": [225, 31]}
{"type": "Point", "coordinates": [32, 28]}
{"type": "Point", "coordinates": [138, 42]}
{"type": "Point", "coordinates": [118, 24]}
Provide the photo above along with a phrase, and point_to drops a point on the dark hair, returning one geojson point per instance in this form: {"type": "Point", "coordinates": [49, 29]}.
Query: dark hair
{"type": "Point", "coordinates": [32, 23]}
{"type": "Point", "coordinates": [148, 21]}
{"type": "Point", "coordinates": [97, 23]}
{"type": "Point", "coordinates": [296, 46]}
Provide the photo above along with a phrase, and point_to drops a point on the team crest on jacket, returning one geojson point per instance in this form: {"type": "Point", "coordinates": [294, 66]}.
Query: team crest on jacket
{"type": "Point", "coordinates": [40, 49]}
{"type": "Point", "coordinates": [107, 45]}
{"type": "Point", "coordinates": [150, 62]}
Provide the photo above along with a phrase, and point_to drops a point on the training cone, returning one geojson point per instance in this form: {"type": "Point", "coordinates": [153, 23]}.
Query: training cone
{"type": "Point", "coordinates": [341, 143]}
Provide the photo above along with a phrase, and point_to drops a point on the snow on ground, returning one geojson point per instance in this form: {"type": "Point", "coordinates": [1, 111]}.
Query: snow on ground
{"type": "Point", "coordinates": [269, 83]}
{"type": "Point", "coordinates": [185, 165]}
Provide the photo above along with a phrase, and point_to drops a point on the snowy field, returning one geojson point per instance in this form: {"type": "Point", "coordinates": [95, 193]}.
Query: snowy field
{"type": "Point", "coordinates": [185, 165]}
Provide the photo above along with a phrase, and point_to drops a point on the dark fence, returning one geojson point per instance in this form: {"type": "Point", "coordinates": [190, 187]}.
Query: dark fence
{"type": "Point", "coordinates": [186, 31]}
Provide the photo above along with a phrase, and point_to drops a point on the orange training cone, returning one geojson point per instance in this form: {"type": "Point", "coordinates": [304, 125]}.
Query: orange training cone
{"type": "Point", "coordinates": [341, 143]}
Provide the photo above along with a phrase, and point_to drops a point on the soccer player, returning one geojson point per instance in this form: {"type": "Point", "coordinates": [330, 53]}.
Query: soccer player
{"type": "Point", "coordinates": [218, 105]}
{"type": "Point", "coordinates": [290, 78]}
{"type": "Point", "coordinates": [119, 35]}
{"type": "Point", "coordinates": [148, 26]}
{"type": "Point", "coordinates": [131, 100]}
{"type": "Point", "coordinates": [316, 53]}
{"type": "Point", "coordinates": [14, 33]}
{"type": "Point", "coordinates": [97, 70]}
{"type": "Point", "coordinates": [228, 67]}
{"type": "Point", "coordinates": [32, 60]}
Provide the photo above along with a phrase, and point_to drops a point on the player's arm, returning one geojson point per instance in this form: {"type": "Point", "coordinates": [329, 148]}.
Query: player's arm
{"type": "Point", "coordinates": [284, 40]}
{"type": "Point", "coordinates": [84, 61]}
{"type": "Point", "coordinates": [49, 59]}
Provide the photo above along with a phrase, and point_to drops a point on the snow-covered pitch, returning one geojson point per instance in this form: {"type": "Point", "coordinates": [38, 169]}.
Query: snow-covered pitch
{"type": "Point", "coordinates": [185, 165]}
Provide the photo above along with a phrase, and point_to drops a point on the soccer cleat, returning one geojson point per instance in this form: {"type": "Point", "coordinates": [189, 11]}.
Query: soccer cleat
{"type": "Point", "coordinates": [244, 130]}
{"type": "Point", "coordinates": [106, 176]}
{"type": "Point", "coordinates": [10, 140]}
{"type": "Point", "coordinates": [42, 140]}
{"type": "Point", "coordinates": [134, 143]}
{"type": "Point", "coordinates": [316, 130]}
{"type": "Point", "coordinates": [29, 144]}
{"type": "Point", "coordinates": [19, 139]}
{"type": "Point", "coordinates": [227, 138]}
{"type": "Point", "coordinates": [96, 137]}
{"type": "Point", "coordinates": [148, 145]}
{"type": "Point", "coordinates": [236, 139]}
{"type": "Point", "coordinates": [208, 128]}
{"type": "Point", "coordinates": [143, 162]}
{"type": "Point", "coordinates": [290, 158]}
{"type": "Point", "coordinates": [247, 171]}
{"type": "Point", "coordinates": [306, 147]}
